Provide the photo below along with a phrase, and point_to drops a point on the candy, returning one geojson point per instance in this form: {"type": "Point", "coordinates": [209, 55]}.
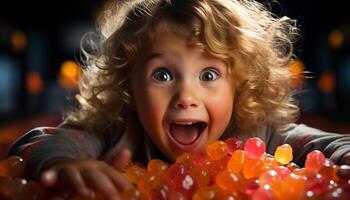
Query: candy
{"type": "Point", "coordinates": [185, 158]}
{"type": "Point", "coordinates": [284, 154]}
{"type": "Point", "coordinates": [272, 179]}
{"type": "Point", "coordinates": [201, 160]}
{"type": "Point", "coordinates": [255, 148]}
{"type": "Point", "coordinates": [329, 171]}
{"type": "Point", "coordinates": [233, 144]}
{"type": "Point", "coordinates": [150, 181]}
{"type": "Point", "coordinates": [292, 188]}
{"type": "Point", "coordinates": [314, 161]}
{"type": "Point", "coordinates": [202, 175]}
{"type": "Point", "coordinates": [250, 186]}
{"type": "Point", "coordinates": [235, 163]}
{"type": "Point", "coordinates": [252, 168]}
{"type": "Point", "coordinates": [217, 150]}
{"type": "Point", "coordinates": [263, 194]}
{"type": "Point", "coordinates": [282, 171]}
{"type": "Point", "coordinates": [315, 183]}
{"type": "Point", "coordinates": [156, 165]}
{"type": "Point", "coordinates": [226, 170]}
{"type": "Point", "coordinates": [134, 173]}
{"type": "Point", "coordinates": [229, 181]}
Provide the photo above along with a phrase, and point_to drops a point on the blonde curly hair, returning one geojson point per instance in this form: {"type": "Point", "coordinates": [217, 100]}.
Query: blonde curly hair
{"type": "Point", "coordinates": [256, 45]}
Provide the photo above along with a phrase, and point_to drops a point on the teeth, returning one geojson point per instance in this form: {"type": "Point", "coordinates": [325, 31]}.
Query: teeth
{"type": "Point", "coordinates": [184, 123]}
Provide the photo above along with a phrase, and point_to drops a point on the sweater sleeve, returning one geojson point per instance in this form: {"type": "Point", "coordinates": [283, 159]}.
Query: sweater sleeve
{"type": "Point", "coordinates": [44, 143]}
{"type": "Point", "coordinates": [304, 139]}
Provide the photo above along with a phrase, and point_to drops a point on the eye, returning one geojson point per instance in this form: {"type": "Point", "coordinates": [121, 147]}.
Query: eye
{"type": "Point", "coordinates": [162, 74]}
{"type": "Point", "coordinates": [209, 75]}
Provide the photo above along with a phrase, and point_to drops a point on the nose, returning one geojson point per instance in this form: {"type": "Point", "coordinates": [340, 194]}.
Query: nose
{"type": "Point", "coordinates": [186, 97]}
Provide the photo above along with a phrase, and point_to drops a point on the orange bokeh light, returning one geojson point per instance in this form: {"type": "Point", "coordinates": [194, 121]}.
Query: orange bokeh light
{"type": "Point", "coordinates": [297, 68]}
{"type": "Point", "coordinates": [336, 39]}
{"type": "Point", "coordinates": [18, 41]}
{"type": "Point", "coordinates": [69, 74]}
{"type": "Point", "coordinates": [327, 82]}
{"type": "Point", "coordinates": [34, 83]}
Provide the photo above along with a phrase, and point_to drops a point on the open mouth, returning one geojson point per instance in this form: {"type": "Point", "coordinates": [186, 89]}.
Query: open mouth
{"type": "Point", "coordinates": [186, 133]}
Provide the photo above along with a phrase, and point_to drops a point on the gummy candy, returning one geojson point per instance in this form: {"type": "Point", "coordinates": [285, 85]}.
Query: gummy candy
{"type": "Point", "coordinates": [263, 194]}
{"type": "Point", "coordinates": [255, 148]}
{"type": "Point", "coordinates": [315, 183]}
{"type": "Point", "coordinates": [156, 165]}
{"type": "Point", "coordinates": [329, 171]}
{"type": "Point", "coordinates": [270, 178]}
{"type": "Point", "coordinates": [149, 181]}
{"type": "Point", "coordinates": [134, 173]}
{"type": "Point", "coordinates": [217, 150]}
{"type": "Point", "coordinates": [233, 144]}
{"type": "Point", "coordinates": [227, 170]}
{"type": "Point", "coordinates": [185, 158]}
{"type": "Point", "coordinates": [252, 168]}
{"type": "Point", "coordinates": [250, 186]}
{"type": "Point", "coordinates": [284, 154]}
{"type": "Point", "coordinates": [314, 161]}
{"type": "Point", "coordinates": [228, 180]}
{"type": "Point", "coordinates": [235, 163]}
{"type": "Point", "coordinates": [202, 175]}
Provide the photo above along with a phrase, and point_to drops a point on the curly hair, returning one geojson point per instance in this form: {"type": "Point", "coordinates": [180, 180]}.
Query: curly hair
{"type": "Point", "coordinates": [256, 45]}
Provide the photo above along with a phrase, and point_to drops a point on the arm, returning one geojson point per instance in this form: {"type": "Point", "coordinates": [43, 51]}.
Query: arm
{"type": "Point", "coordinates": [66, 159]}
{"type": "Point", "coordinates": [46, 143]}
{"type": "Point", "coordinates": [304, 139]}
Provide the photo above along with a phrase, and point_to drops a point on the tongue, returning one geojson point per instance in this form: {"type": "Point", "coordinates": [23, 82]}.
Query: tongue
{"type": "Point", "coordinates": [185, 134]}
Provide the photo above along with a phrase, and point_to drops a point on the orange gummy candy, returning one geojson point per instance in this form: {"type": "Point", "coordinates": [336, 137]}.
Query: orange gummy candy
{"type": "Point", "coordinates": [156, 165]}
{"type": "Point", "coordinates": [134, 173]}
{"type": "Point", "coordinates": [236, 162]}
{"type": "Point", "coordinates": [217, 150]}
{"type": "Point", "coordinates": [229, 181]}
{"type": "Point", "coordinates": [284, 154]}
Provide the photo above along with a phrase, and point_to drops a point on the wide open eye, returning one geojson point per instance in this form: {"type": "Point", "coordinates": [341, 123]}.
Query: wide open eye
{"type": "Point", "coordinates": [162, 74]}
{"type": "Point", "coordinates": [209, 75]}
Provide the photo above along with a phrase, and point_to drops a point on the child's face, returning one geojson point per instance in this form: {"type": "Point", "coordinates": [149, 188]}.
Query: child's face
{"type": "Point", "coordinates": [183, 96]}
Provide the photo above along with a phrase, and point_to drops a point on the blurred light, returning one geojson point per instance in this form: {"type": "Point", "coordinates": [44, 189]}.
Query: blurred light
{"type": "Point", "coordinates": [18, 41]}
{"type": "Point", "coordinates": [327, 82]}
{"type": "Point", "coordinates": [69, 74]}
{"type": "Point", "coordinates": [336, 39]}
{"type": "Point", "coordinates": [34, 83]}
{"type": "Point", "coordinates": [9, 84]}
{"type": "Point", "coordinates": [297, 68]}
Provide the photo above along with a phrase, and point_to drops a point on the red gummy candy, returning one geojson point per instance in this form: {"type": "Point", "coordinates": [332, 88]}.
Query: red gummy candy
{"type": "Point", "coordinates": [254, 147]}
{"type": "Point", "coordinates": [233, 144]}
{"type": "Point", "coordinates": [314, 161]}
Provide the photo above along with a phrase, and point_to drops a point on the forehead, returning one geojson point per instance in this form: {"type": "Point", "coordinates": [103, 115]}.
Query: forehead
{"type": "Point", "coordinates": [168, 43]}
{"type": "Point", "coordinates": [167, 39]}
{"type": "Point", "coordinates": [166, 27]}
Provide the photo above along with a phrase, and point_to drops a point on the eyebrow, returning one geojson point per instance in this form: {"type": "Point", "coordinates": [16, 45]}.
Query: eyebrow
{"type": "Point", "coordinates": [152, 56]}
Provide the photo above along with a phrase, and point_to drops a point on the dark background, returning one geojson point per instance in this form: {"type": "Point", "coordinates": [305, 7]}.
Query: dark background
{"type": "Point", "coordinates": [49, 34]}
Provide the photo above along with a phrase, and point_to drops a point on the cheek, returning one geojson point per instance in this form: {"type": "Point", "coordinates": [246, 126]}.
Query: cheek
{"type": "Point", "coordinates": [222, 114]}
{"type": "Point", "coordinates": [221, 108]}
{"type": "Point", "coordinates": [150, 107]}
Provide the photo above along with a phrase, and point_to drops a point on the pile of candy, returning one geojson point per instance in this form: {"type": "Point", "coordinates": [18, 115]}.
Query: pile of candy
{"type": "Point", "coordinates": [228, 170]}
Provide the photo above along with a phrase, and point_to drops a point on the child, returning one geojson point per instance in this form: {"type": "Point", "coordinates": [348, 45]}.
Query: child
{"type": "Point", "coordinates": [171, 76]}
